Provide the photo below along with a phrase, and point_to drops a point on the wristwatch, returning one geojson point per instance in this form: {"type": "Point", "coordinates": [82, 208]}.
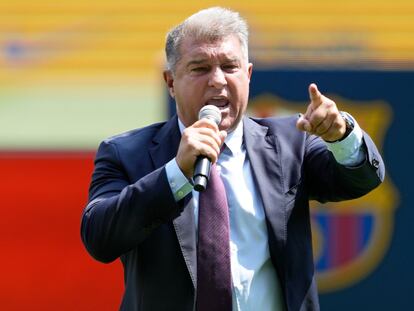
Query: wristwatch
{"type": "Point", "coordinates": [349, 122]}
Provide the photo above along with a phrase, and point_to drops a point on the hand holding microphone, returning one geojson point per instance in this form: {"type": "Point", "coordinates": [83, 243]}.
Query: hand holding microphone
{"type": "Point", "coordinates": [203, 164]}
{"type": "Point", "coordinates": [200, 146]}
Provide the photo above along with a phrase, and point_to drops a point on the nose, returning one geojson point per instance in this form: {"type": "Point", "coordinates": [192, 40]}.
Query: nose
{"type": "Point", "coordinates": [217, 78]}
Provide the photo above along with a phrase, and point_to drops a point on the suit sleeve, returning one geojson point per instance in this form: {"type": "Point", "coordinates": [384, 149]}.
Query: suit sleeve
{"type": "Point", "coordinates": [120, 215]}
{"type": "Point", "coordinates": [328, 180]}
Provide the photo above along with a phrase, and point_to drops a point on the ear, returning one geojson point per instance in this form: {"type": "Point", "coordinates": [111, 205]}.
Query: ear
{"type": "Point", "coordinates": [249, 70]}
{"type": "Point", "coordinates": [169, 81]}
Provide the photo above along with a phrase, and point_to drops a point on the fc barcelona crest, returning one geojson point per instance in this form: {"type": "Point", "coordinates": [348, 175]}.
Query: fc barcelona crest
{"type": "Point", "coordinates": [350, 238]}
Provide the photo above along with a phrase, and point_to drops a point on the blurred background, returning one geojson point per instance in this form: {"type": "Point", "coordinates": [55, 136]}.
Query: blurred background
{"type": "Point", "coordinates": [75, 72]}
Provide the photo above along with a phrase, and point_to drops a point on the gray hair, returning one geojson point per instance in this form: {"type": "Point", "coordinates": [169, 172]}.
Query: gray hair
{"type": "Point", "coordinates": [212, 24]}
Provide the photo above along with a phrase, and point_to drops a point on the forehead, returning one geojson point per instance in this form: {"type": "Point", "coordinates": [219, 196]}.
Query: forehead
{"type": "Point", "coordinates": [196, 49]}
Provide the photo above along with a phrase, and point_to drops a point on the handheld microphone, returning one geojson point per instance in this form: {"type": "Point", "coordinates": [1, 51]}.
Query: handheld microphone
{"type": "Point", "coordinates": [203, 164]}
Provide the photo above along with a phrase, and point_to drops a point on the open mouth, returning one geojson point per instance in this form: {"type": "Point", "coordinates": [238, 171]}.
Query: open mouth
{"type": "Point", "coordinates": [220, 102]}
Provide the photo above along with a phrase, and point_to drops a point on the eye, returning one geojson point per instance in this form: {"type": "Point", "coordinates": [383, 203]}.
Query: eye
{"type": "Point", "coordinates": [230, 67]}
{"type": "Point", "coordinates": [199, 69]}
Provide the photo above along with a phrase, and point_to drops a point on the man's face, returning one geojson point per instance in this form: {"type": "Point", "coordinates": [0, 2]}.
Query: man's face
{"type": "Point", "coordinates": [211, 73]}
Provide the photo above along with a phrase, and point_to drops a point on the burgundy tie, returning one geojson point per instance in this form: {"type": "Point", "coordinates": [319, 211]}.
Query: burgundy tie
{"type": "Point", "coordinates": [213, 253]}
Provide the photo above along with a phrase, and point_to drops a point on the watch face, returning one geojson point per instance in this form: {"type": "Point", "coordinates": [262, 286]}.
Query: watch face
{"type": "Point", "coordinates": [349, 124]}
{"type": "Point", "coordinates": [348, 120]}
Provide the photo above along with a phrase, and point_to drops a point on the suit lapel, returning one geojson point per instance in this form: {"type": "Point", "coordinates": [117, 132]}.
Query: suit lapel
{"type": "Point", "coordinates": [184, 226]}
{"type": "Point", "coordinates": [263, 151]}
{"type": "Point", "coordinates": [165, 148]}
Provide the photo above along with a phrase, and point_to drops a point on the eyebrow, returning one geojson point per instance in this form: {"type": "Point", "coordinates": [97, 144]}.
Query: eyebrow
{"type": "Point", "coordinates": [205, 60]}
{"type": "Point", "coordinates": [196, 62]}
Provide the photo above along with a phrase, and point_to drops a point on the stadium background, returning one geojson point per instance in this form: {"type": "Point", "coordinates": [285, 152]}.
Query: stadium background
{"type": "Point", "coordinates": [75, 72]}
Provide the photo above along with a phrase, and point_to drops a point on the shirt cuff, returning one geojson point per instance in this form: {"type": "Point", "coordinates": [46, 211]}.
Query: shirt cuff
{"type": "Point", "coordinates": [349, 151]}
{"type": "Point", "coordinates": [179, 184]}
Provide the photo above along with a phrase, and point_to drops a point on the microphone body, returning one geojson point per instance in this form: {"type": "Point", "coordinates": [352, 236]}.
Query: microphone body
{"type": "Point", "coordinates": [202, 166]}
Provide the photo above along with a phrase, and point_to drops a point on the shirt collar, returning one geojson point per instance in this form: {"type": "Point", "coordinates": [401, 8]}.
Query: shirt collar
{"type": "Point", "coordinates": [234, 139]}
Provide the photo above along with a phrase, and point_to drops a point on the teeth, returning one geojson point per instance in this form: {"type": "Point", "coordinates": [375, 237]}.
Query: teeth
{"type": "Point", "coordinates": [219, 102]}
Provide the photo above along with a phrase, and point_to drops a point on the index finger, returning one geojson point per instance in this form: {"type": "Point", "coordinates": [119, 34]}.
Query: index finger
{"type": "Point", "coordinates": [206, 122]}
{"type": "Point", "coordinates": [314, 95]}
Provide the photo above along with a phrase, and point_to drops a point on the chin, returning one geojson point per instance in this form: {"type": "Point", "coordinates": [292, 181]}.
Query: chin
{"type": "Point", "coordinates": [226, 126]}
{"type": "Point", "coordinates": [223, 127]}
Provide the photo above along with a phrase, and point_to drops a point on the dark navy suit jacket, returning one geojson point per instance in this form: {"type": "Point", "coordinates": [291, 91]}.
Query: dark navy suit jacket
{"type": "Point", "coordinates": [132, 213]}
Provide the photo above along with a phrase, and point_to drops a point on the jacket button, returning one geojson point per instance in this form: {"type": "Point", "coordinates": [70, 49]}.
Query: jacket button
{"type": "Point", "coordinates": [375, 163]}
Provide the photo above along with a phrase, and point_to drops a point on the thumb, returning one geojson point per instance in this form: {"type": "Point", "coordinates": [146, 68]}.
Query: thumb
{"type": "Point", "coordinates": [223, 135]}
{"type": "Point", "coordinates": [303, 124]}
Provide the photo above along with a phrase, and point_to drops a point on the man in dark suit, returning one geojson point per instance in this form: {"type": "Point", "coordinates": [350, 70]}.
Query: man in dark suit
{"type": "Point", "coordinates": [143, 208]}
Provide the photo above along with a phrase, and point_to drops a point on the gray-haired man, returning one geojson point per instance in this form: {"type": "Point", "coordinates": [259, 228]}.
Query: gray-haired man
{"type": "Point", "coordinates": [143, 207]}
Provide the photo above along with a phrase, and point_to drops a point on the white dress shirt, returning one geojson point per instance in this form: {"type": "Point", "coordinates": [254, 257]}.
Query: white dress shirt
{"type": "Point", "coordinates": [255, 282]}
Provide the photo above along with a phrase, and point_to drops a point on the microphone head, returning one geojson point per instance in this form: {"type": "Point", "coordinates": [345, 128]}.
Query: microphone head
{"type": "Point", "coordinates": [210, 112]}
